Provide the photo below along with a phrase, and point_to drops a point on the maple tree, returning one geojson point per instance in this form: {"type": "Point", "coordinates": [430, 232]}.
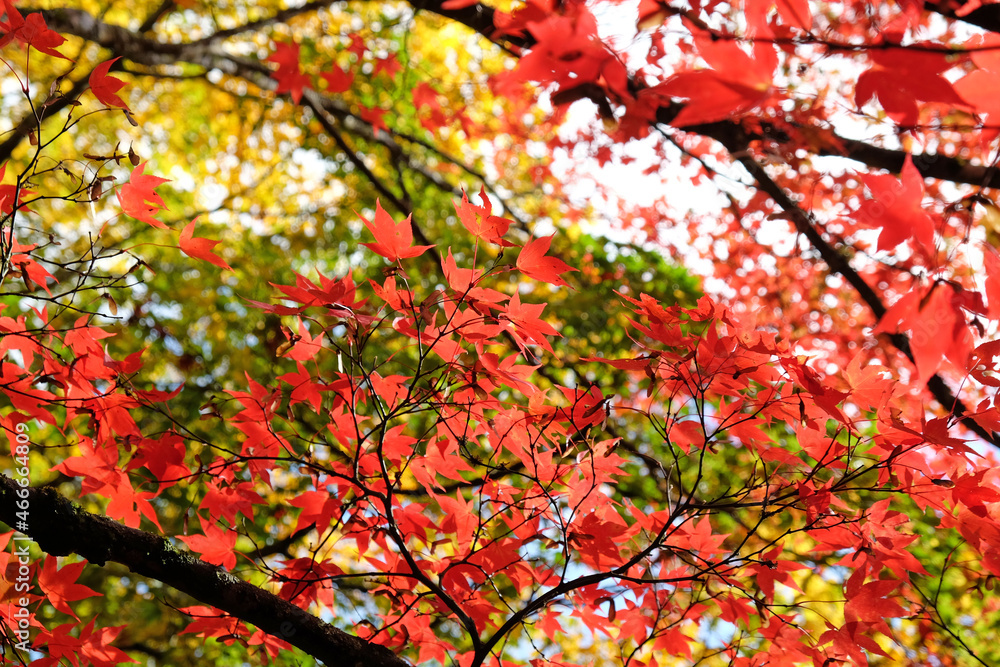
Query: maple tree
{"type": "Point", "coordinates": [396, 406]}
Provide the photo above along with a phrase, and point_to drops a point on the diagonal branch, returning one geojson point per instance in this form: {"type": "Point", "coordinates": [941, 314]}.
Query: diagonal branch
{"type": "Point", "coordinates": [60, 528]}
{"type": "Point", "coordinates": [278, 17]}
{"type": "Point", "coordinates": [986, 16]}
{"type": "Point", "coordinates": [480, 18]}
{"type": "Point", "coordinates": [150, 52]}
{"type": "Point", "coordinates": [313, 102]}
{"type": "Point", "coordinates": [805, 225]}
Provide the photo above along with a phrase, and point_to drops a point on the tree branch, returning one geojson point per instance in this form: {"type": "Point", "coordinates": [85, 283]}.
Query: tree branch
{"type": "Point", "coordinates": [60, 528]}
{"type": "Point", "coordinates": [805, 225]}
{"type": "Point", "coordinates": [146, 51]}
{"type": "Point", "coordinates": [986, 16]}
{"type": "Point", "coordinates": [480, 19]}
{"type": "Point", "coordinates": [277, 17]}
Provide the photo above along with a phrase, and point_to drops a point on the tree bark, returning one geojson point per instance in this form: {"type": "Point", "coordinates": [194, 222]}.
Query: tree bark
{"type": "Point", "coordinates": [61, 528]}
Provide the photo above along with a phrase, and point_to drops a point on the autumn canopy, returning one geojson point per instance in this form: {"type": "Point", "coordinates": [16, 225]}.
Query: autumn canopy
{"type": "Point", "coordinates": [500, 333]}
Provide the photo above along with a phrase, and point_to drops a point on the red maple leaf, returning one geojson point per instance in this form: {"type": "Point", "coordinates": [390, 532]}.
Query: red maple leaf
{"type": "Point", "coordinates": [899, 77]}
{"type": "Point", "coordinates": [7, 193]}
{"type": "Point", "coordinates": [978, 87]}
{"type": "Point", "coordinates": [870, 602]}
{"type": "Point", "coordinates": [91, 647]}
{"type": "Point", "coordinates": [128, 365]}
{"type": "Point", "coordinates": [318, 507]}
{"type": "Point", "coordinates": [303, 345]}
{"type": "Point", "coordinates": [200, 248]}
{"type": "Point", "coordinates": [735, 83]}
{"type": "Point", "coordinates": [374, 117]}
{"type": "Point", "coordinates": [897, 207]}
{"type": "Point", "coordinates": [528, 324]}
{"type": "Point", "coordinates": [211, 622]}
{"type": "Point", "coordinates": [568, 52]}
{"type": "Point", "coordinates": [851, 641]}
{"type": "Point", "coordinates": [424, 95]}
{"type": "Point", "coordinates": [465, 282]}
{"type": "Point", "coordinates": [32, 31]}
{"type": "Point", "coordinates": [396, 445]}
{"type": "Point", "coordinates": [533, 262]}
{"type": "Point", "coordinates": [992, 280]}
{"type": "Point", "coordinates": [215, 546]}
{"type": "Point", "coordinates": [98, 466]}
{"type": "Point", "coordinates": [59, 585]}
{"type": "Point", "coordinates": [937, 327]}
{"type": "Point", "coordinates": [164, 458]}
{"type": "Point", "coordinates": [33, 272]}
{"type": "Point", "coordinates": [138, 199]}
{"type": "Point", "coordinates": [396, 298]}
{"type": "Point", "coordinates": [289, 75]}
{"type": "Point", "coordinates": [791, 13]}
{"type": "Point", "coordinates": [227, 499]}
{"type": "Point", "coordinates": [305, 388]}
{"type": "Point", "coordinates": [393, 240]}
{"type": "Point", "coordinates": [390, 65]}
{"type": "Point", "coordinates": [596, 535]}
{"type": "Point", "coordinates": [482, 223]}
{"type": "Point", "coordinates": [357, 46]}
{"type": "Point", "coordinates": [337, 80]}
{"type": "Point", "coordinates": [104, 87]}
